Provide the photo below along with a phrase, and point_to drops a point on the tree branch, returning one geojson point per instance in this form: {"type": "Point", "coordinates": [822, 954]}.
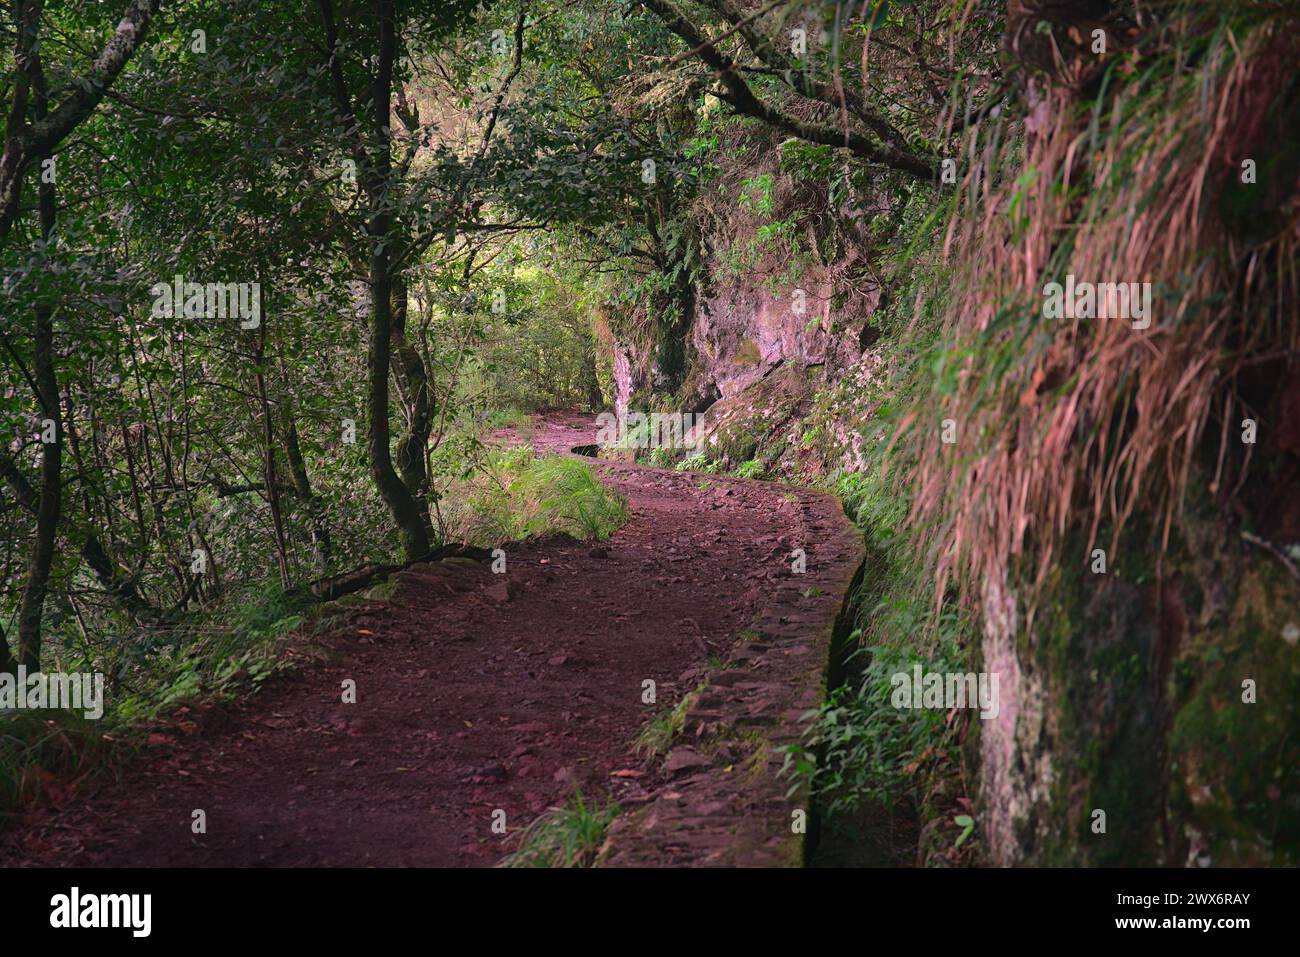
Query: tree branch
{"type": "Point", "coordinates": [24, 142]}
{"type": "Point", "coordinates": [742, 98]}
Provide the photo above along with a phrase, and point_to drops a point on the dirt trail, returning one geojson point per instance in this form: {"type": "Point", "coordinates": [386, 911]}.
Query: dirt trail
{"type": "Point", "coordinates": [475, 693]}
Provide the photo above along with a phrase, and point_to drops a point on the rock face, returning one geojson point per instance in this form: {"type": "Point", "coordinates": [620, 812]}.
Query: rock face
{"type": "Point", "coordinates": [1146, 723]}
{"type": "Point", "coordinates": [623, 385]}
{"type": "Point", "coordinates": [743, 331]}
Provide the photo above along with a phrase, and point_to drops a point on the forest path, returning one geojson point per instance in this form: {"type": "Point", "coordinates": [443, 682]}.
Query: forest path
{"type": "Point", "coordinates": [476, 693]}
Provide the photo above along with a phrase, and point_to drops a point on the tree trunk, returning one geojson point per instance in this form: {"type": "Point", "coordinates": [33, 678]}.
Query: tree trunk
{"type": "Point", "coordinates": [405, 510]}
{"type": "Point", "coordinates": [32, 606]}
{"type": "Point", "coordinates": [412, 449]}
{"type": "Point", "coordinates": [8, 664]}
{"type": "Point", "coordinates": [268, 457]}
{"type": "Point", "coordinates": [320, 531]}
{"type": "Point", "coordinates": [402, 505]}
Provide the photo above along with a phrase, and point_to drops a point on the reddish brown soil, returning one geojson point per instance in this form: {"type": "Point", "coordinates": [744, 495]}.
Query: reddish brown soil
{"type": "Point", "coordinates": [475, 692]}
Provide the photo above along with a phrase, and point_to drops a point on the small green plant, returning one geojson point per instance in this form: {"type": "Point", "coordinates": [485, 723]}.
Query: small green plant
{"type": "Point", "coordinates": [383, 590]}
{"type": "Point", "coordinates": [807, 161]}
{"type": "Point", "coordinates": [756, 193]}
{"type": "Point", "coordinates": [660, 457]}
{"type": "Point", "coordinates": [753, 469]}
{"type": "Point", "coordinates": [230, 647]}
{"type": "Point", "coordinates": [657, 737]}
{"type": "Point", "coordinates": [566, 836]}
{"type": "Point", "coordinates": [967, 825]}
{"type": "Point", "coordinates": [697, 463]}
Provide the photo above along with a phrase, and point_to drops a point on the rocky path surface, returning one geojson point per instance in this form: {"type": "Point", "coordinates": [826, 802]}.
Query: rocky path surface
{"type": "Point", "coordinates": [475, 694]}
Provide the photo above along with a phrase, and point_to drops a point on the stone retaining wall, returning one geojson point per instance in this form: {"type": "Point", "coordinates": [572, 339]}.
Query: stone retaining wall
{"type": "Point", "coordinates": [722, 799]}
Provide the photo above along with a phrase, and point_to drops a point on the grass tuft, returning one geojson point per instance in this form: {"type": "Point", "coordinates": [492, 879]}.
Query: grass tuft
{"type": "Point", "coordinates": [567, 836]}
{"type": "Point", "coordinates": [519, 494]}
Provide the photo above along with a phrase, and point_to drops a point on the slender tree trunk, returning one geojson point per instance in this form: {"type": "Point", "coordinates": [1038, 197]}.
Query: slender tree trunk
{"type": "Point", "coordinates": [268, 458]}
{"type": "Point", "coordinates": [320, 531]}
{"type": "Point", "coordinates": [405, 510]}
{"type": "Point", "coordinates": [148, 470]}
{"type": "Point", "coordinates": [32, 606]}
{"type": "Point", "coordinates": [412, 449]}
{"type": "Point", "coordinates": [133, 474]}
{"type": "Point", "coordinates": [92, 550]}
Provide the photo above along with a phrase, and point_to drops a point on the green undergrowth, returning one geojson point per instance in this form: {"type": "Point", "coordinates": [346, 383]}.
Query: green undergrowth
{"type": "Point", "coordinates": [519, 494]}
{"type": "Point", "coordinates": [226, 651]}
{"type": "Point", "coordinates": [521, 422]}
{"type": "Point", "coordinates": [46, 751]}
{"type": "Point", "coordinates": [860, 752]}
{"type": "Point", "coordinates": [570, 835]}
{"type": "Point", "coordinates": [700, 462]}
{"type": "Point", "coordinates": [222, 652]}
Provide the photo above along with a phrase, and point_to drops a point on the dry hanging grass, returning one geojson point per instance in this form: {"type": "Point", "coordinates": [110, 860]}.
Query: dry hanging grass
{"type": "Point", "coordinates": [1084, 423]}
